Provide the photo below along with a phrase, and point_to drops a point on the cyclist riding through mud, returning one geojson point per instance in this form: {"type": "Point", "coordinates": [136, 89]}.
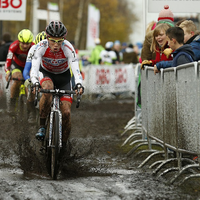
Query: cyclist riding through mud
{"type": "Point", "coordinates": [16, 59]}
{"type": "Point", "coordinates": [53, 57]}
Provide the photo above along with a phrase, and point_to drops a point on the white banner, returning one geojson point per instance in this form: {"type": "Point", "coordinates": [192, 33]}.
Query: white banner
{"type": "Point", "coordinates": [52, 6]}
{"type": "Point", "coordinates": [92, 26]}
{"type": "Point", "coordinates": [106, 79]}
{"type": "Point", "coordinates": [176, 6]}
{"type": "Point", "coordinates": [47, 15]}
{"type": "Point", "coordinates": [14, 10]}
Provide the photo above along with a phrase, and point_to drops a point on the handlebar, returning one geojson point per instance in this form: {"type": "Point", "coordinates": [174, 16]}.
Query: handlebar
{"type": "Point", "coordinates": [55, 91]}
{"type": "Point", "coordinates": [15, 79]}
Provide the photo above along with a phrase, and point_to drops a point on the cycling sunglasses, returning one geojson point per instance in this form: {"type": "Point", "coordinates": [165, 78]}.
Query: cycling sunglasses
{"type": "Point", "coordinates": [56, 41]}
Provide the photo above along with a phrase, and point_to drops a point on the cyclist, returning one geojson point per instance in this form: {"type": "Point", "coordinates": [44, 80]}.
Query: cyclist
{"type": "Point", "coordinates": [16, 59]}
{"type": "Point", "coordinates": [53, 57]}
{"type": "Point", "coordinates": [26, 74]}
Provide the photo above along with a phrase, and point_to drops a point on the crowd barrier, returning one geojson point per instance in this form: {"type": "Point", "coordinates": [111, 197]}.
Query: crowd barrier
{"type": "Point", "coordinates": [103, 79]}
{"type": "Point", "coordinates": [100, 79]}
{"type": "Point", "coordinates": [170, 118]}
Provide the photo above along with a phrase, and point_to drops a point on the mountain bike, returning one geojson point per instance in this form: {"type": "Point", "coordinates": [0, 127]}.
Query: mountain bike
{"type": "Point", "coordinates": [52, 143]}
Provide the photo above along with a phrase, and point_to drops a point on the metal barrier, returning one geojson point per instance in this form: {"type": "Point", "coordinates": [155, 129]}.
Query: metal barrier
{"type": "Point", "coordinates": [170, 105]}
{"type": "Point", "coordinates": [134, 123]}
{"type": "Point", "coordinates": [170, 119]}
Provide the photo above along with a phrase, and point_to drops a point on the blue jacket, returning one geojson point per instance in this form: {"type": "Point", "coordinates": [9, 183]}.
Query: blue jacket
{"type": "Point", "coordinates": [182, 55]}
{"type": "Point", "coordinates": [195, 43]}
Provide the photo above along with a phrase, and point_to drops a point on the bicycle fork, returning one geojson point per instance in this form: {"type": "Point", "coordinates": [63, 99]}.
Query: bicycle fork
{"type": "Point", "coordinates": [55, 108]}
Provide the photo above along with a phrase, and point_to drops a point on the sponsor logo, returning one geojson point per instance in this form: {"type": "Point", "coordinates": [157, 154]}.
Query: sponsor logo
{"type": "Point", "coordinates": [121, 76]}
{"type": "Point", "coordinates": [10, 55]}
{"type": "Point", "coordinates": [102, 76]}
{"type": "Point", "coordinates": [55, 62]}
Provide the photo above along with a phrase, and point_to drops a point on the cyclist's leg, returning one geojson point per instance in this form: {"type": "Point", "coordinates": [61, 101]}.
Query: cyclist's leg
{"type": "Point", "coordinates": [15, 86]}
{"type": "Point", "coordinates": [44, 106]}
{"type": "Point", "coordinates": [66, 116]}
{"type": "Point", "coordinates": [14, 89]}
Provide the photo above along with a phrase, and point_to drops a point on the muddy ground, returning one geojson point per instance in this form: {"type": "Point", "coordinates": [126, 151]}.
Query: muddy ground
{"type": "Point", "coordinates": [97, 168]}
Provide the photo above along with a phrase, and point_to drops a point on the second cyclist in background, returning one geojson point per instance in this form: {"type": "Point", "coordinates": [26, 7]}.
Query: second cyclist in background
{"type": "Point", "coordinates": [16, 60]}
{"type": "Point", "coordinates": [26, 74]}
{"type": "Point", "coordinates": [53, 57]}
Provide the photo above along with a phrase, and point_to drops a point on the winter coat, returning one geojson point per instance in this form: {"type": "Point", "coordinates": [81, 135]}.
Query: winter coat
{"type": "Point", "coordinates": [160, 56]}
{"type": "Point", "coordinates": [129, 56]}
{"type": "Point", "coordinates": [195, 43]}
{"type": "Point", "coordinates": [95, 55]}
{"type": "Point", "coordinates": [146, 53]}
{"type": "Point", "coordinates": [182, 55]}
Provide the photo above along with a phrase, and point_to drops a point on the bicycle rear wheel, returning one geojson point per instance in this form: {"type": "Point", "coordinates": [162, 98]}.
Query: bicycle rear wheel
{"type": "Point", "coordinates": [55, 149]}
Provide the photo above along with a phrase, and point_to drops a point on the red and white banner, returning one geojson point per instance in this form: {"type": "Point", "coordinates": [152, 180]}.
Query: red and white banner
{"type": "Point", "coordinates": [14, 10]}
{"type": "Point", "coordinates": [92, 26]}
{"type": "Point", "coordinates": [106, 79]}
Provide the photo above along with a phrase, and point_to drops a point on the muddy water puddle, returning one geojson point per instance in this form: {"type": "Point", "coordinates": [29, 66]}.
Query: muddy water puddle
{"type": "Point", "coordinates": [97, 167]}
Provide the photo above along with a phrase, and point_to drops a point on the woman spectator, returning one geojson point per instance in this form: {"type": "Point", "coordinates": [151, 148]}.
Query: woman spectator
{"type": "Point", "coordinates": [159, 45]}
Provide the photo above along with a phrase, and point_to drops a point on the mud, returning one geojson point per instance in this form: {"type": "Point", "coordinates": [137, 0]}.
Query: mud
{"type": "Point", "coordinates": [95, 167]}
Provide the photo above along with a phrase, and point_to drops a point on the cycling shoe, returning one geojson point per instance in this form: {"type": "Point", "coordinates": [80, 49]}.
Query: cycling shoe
{"type": "Point", "coordinates": [41, 133]}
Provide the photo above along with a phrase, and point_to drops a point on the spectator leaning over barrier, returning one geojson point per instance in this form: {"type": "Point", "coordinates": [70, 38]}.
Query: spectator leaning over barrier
{"type": "Point", "coordinates": [108, 56]}
{"type": "Point", "coordinates": [165, 16]}
{"type": "Point", "coordinates": [159, 45]}
{"type": "Point", "coordinates": [192, 37]}
{"type": "Point", "coordinates": [95, 55]}
{"type": "Point", "coordinates": [182, 53]}
{"type": "Point", "coordinates": [5, 46]}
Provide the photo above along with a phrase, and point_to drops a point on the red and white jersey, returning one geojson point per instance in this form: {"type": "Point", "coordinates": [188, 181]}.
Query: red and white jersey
{"type": "Point", "coordinates": [55, 63]}
{"type": "Point", "coordinates": [17, 55]}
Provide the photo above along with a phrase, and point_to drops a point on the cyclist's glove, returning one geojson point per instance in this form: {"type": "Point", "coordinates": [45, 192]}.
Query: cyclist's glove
{"type": "Point", "coordinates": [37, 84]}
{"type": "Point", "coordinates": [78, 86]}
{"type": "Point", "coordinates": [27, 82]}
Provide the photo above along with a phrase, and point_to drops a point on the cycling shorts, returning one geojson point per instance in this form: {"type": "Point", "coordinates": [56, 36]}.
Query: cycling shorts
{"type": "Point", "coordinates": [60, 81]}
{"type": "Point", "coordinates": [16, 68]}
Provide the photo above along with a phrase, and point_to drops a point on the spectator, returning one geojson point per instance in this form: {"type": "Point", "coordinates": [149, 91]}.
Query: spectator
{"type": "Point", "coordinates": [182, 53]}
{"type": "Point", "coordinates": [159, 45]}
{"type": "Point", "coordinates": [108, 56]}
{"type": "Point", "coordinates": [117, 50]}
{"type": "Point", "coordinates": [5, 46]}
{"type": "Point", "coordinates": [191, 36]}
{"type": "Point", "coordinates": [124, 46]}
{"type": "Point", "coordinates": [95, 55]}
{"type": "Point", "coordinates": [165, 16]}
{"type": "Point", "coordinates": [130, 56]}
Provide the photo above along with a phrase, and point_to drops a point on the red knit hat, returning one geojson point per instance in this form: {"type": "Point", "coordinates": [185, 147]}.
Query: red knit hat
{"type": "Point", "coordinates": [166, 14]}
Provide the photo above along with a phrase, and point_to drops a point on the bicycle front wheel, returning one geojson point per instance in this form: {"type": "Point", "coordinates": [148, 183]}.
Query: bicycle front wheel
{"type": "Point", "coordinates": [55, 149]}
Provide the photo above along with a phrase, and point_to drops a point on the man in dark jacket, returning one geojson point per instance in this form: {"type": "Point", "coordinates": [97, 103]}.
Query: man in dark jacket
{"type": "Point", "coordinates": [191, 36]}
{"type": "Point", "coordinates": [182, 53]}
{"type": "Point", "coordinates": [5, 46]}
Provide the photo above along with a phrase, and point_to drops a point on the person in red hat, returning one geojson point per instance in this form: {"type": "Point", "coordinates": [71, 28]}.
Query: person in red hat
{"type": "Point", "coordinates": [165, 16]}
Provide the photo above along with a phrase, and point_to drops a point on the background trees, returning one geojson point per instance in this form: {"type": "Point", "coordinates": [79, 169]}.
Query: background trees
{"type": "Point", "coordinates": [116, 19]}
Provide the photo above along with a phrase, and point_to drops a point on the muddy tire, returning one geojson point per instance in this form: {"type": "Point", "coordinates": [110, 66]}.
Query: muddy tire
{"type": "Point", "coordinates": [55, 147]}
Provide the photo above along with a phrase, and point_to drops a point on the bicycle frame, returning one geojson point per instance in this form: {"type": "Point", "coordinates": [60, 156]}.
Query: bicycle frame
{"type": "Point", "coordinates": [55, 108]}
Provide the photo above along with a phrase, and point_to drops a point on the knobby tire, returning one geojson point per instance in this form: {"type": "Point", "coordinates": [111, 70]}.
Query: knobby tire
{"type": "Point", "coordinates": [55, 147]}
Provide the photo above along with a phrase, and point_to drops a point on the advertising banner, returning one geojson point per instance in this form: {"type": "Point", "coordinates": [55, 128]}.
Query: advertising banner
{"type": "Point", "coordinates": [13, 10]}
{"type": "Point", "coordinates": [92, 26]}
{"type": "Point", "coordinates": [106, 79]}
